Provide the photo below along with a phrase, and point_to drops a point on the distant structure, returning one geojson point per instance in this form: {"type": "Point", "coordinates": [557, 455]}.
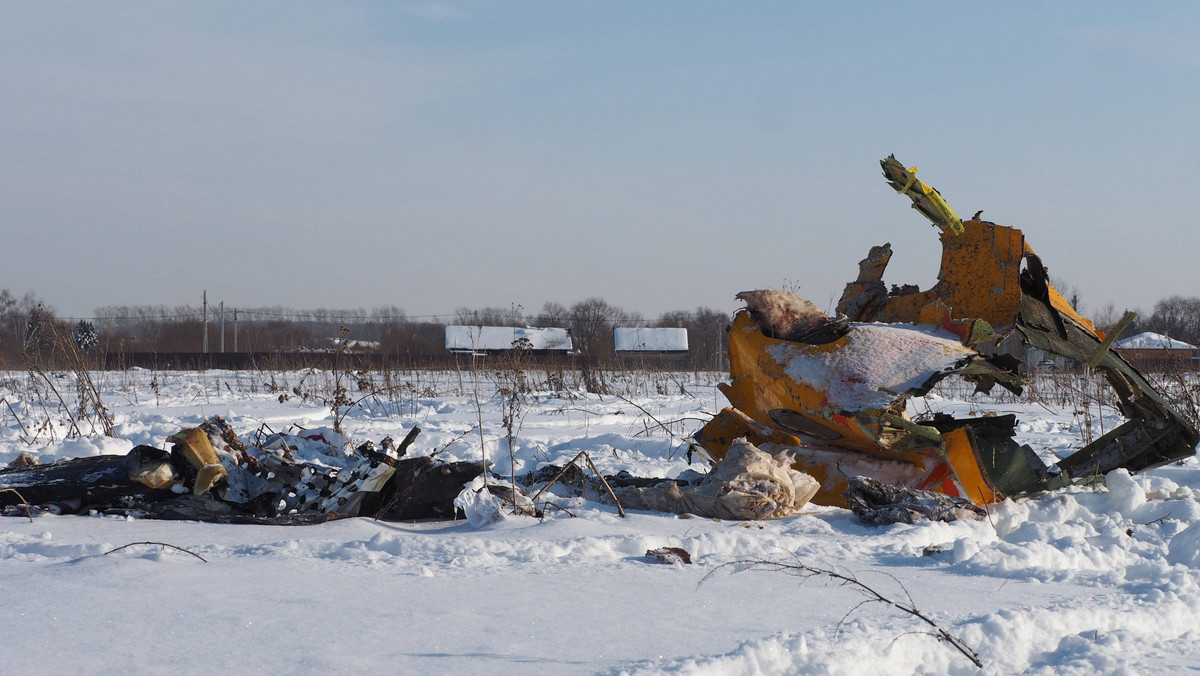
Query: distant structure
{"type": "Point", "coordinates": [496, 339]}
{"type": "Point", "coordinates": [656, 344]}
{"type": "Point", "coordinates": [355, 346]}
{"type": "Point", "coordinates": [1156, 352]}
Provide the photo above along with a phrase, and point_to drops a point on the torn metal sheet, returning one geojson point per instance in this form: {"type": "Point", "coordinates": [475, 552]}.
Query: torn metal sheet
{"type": "Point", "coordinates": [926, 199]}
{"type": "Point", "coordinates": [832, 391]}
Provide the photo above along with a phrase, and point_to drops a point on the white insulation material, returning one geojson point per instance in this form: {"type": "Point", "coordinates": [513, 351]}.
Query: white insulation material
{"type": "Point", "coordinates": [877, 363]}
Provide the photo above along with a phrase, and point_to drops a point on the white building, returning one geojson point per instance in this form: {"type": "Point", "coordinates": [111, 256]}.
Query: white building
{"type": "Point", "coordinates": [481, 339]}
{"type": "Point", "coordinates": [650, 340]}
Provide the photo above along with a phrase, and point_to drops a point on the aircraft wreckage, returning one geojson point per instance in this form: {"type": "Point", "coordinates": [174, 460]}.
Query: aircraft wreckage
{"type": "Point", "coordinates": [830, 392]}
{"type": "Point", "coordinates": [209, 474]}
{"type": "Point", "coordinates": [817, 412]}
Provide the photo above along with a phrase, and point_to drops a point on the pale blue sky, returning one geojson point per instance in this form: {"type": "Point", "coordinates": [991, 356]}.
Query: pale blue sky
{"type": "Point", "coordinates": [662, 155]}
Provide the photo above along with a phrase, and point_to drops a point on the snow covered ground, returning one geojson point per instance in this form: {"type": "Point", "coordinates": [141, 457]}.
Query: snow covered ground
{"type": "Point", "coordinates": [1082, 581]}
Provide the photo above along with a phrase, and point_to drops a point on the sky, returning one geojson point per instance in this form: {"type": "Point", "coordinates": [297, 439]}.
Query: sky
{"type": "Point", "coordinates": [661, 156]}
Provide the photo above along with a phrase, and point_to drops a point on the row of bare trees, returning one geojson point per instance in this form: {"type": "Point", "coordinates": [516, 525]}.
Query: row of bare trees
{"type": "Point", "coordinates": [25, 325]}
{"type": "Point", "coordinates": [1174, 316]}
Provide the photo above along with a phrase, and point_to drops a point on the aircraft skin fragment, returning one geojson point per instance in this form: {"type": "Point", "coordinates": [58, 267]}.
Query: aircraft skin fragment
{"type": "Point", "coordinates": [835, 398]}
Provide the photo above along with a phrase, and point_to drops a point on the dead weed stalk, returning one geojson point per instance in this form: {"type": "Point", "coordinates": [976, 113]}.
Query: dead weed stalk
{"type": "Point", "coordinates": [906, 605]}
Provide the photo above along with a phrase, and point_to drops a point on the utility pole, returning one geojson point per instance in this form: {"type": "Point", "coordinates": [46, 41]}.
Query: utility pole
{"type": "Point", "coordinates": [720, 352]}
{"type": "Point", "coordinates": [222, 311]}
{"type": "Point", "coordinates": [205, 302]}
{"type": "Point", "coordinates": [235, 329]}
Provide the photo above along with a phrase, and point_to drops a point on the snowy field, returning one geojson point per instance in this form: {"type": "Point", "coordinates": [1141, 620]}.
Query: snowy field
{"type": "Point", "coordinates": [1084, 581]}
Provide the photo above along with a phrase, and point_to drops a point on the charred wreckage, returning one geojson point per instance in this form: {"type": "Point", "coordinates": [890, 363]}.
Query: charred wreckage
{"type": "Point", "coordinates": [817, 413]}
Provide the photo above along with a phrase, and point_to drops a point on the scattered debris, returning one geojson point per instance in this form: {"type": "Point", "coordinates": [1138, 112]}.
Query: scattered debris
{"type": "Point", "coordinates": [28, 509]}
{"type": "Point", "coordinates": [478, 504]}
{"type": "Point", "coordinates": [670, 555]}
{"type": "Point", "coordinates": [193, 445]}
{"type": "Point", "coordinates": [571, 476]}
{"type": "Point", "coordinates": [599, 477]}
{"type": "Point", "coordinates": [748, 484]}
{"type": "Point", "coordinates": [783, 314]}
{"type": "Point", "coordinates": [833, 394]}
{"type": "Point", "coordinates": [210, 475]}
{"type": "Point", "coordinates": [25, 460]}
{"type": "Point", "coordinates": [817, 412]}
{"type": "Point", "coordinates": [880, 504]}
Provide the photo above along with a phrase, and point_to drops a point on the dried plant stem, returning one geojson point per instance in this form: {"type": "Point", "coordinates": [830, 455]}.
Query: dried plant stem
{"type": "Point", "coordinates": [558, 507]}
{"type": "Point", "coordinates": [803, 570]}
{"type": "Point", "coordinates": [16, 417]}
{"type": "Point", "coordinates": [557, 476]}
{"type": "Point", "coordinates": [478, 410]}
{"type": "Point", "coordinates": [160, 544]}
{"type": "Point", "coordinates": [611, 494]}
{"type": "Point", "coordinates": [38, 372]}
{"type": "Point", "coordinates": [28, 509]}
{"type": "Point", "coordinates": [603, 481]}
{"type": "Point", "coordinates": [645, 412]}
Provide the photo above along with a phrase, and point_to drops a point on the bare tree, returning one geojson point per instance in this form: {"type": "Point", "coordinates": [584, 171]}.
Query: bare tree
{"type": "Point", "coordinates": [590, 319]}
{"type": "Point", "coordinates": [1177, 317]}
{"type": "Point", "coordinates": [592, 322]}
{"type": "Point", "coordinates": [1068, 291]}
{"type": "Point", "coordinates": [12, 325]}
{"type": "Point", "coordinates": [1106, 317]}
{"type": "Point", "coordinates": [491, 316]}
{"type": "Point", "coordinates": [389, 314]}
{"type": "Point", "coordinates": [706, 334]}
{"type": "Point", "coordinates": [553, 314]}
{"type": "Point", "coordinates": [707, 337]}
